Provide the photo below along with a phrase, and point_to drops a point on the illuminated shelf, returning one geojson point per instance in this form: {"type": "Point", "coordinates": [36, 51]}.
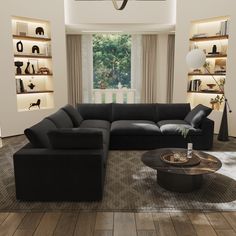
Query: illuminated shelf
{"type": "Point", "coordinates": [210, 38]}
{"type": "Point", "coordinates": [33, 92]}
{"type": "Point", "coordinates": [199, 74]}
{"type": "Point", "coordinates": [33, 75]}
{"type": "Point", "coordinates": [35, 109]}
{"type": "Point", "coordinates": [216, 56]}
{"type": "Point", "coordinates": [31, 38]}
{"type": "Point", "coordinates": [32, 56]}
{"type": "Point", "coordinates": [207, 92]}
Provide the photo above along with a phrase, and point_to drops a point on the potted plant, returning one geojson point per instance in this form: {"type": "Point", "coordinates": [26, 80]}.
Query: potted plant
{"type": "Point", "coordinates": [184, 131]}
{"type": "Point", "coordinates": [206, 67]}
{"type": "Point", "coordinates": [221, 84]}
{"type": "Point", "coordinates": [216, 102]}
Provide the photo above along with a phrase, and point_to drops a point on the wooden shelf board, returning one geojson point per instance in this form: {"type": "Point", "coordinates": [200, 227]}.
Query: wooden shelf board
{"type": "Point", "coordinates": [216, 56]}
{"type": "Point", "coordinates": [34, 109]}
{"type": "Point", "coordinates": [31, 38]}
{"type": "Point", "coordinates": [46, 91]}
{"type": "Point", "coordinates": [207, 92]}
{"type": "Point", "coordinates": [195, 74]}
{"type": "Point", "coordinates": [33, 75]}
{"type": "Point", "coordinates": [209, 38]}
{"type": "Point", "coordinates": [32, 56]}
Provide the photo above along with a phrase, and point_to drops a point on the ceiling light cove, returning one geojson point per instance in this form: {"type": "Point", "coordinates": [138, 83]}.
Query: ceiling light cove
{"type": "Point", "coordinates": [121, 6]}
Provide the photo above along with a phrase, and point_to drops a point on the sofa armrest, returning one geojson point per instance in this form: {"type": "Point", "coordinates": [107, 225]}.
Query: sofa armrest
{"type": "Point", "coordinates": [207, 126]}
{"type": "Point", "coordinates": [76, 138]}
{"type": "Point", "coordinates": [53, 174]}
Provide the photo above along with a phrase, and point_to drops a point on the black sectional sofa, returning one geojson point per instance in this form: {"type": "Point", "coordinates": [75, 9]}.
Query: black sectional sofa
{"type": "Point", "coordinates": [66, 157]}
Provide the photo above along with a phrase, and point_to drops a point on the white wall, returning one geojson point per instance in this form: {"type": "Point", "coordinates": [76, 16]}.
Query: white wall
{"type": "Point", "coordinates": [100, 12]}
{"type": "Point", "coordinates": [191, 10]}
{"type": "Point", "coordinates": [11, 121]}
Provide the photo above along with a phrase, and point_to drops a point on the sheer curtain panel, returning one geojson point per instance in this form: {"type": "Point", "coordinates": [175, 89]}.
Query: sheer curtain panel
{"type": "Point", "coordinates": [74, 67]}
{"type": "Point", "coordinates": [149, 75]}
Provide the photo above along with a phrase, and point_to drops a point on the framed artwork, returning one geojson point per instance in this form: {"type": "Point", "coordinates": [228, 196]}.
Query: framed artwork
{"type": "Point", "coordinates": [21, 28]}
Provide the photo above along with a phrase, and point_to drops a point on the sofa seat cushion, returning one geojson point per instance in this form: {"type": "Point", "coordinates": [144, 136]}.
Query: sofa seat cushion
{"type": "Point", "coordinates": [134, 127]}
{"type": "Point", "coordinates": [173, 127]}
{"type": "Point", "coordinates": [38, 134]}
{"type": "Point", "coordinates": [73, 114]}
{"type": "Point", "coordinates": [102, 124]}
{"type": "Point", "coordinates": [61, 119]}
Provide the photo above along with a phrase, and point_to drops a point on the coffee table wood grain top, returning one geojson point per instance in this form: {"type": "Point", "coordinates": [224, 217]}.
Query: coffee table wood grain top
{"type": "Point", "coordinates": [208, 163]}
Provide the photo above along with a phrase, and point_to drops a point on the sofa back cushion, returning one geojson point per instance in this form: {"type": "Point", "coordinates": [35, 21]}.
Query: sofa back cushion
{"type": "Point", "coordinates": [76, 138]}
{"type": "Point", "coordinates": [172, 111]}
{"type": "Point", "coordinates": [95, 111]}
{"type": "Point", "coordinates": [197, 115]}
{"type": "Point", "coordinates": [73, 114]}
{"type": "Point", "coordinates": [134, 112]}
{"type": "Point", "coordinates": [61, 119]}
{"type": "Point", "coordinates": [37, 134]}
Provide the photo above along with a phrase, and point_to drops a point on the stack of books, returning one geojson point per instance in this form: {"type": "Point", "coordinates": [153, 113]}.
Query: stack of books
{"type": "Point", "coordinates": [194, 85]}
{"type": "Point", "coordinates": [19, 86]}
{"type": "Point", "coordinates": [224, 27]}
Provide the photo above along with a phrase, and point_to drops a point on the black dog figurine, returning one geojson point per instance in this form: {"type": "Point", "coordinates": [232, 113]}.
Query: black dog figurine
{"type": "Point", "coordinates": [35, 104]}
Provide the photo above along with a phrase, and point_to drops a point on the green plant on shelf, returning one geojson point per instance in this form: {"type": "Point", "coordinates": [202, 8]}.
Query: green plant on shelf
{"type": "Point", "coordinates": [222, 81]}
{"type": "Point", "coordinates": [206, 66]}
{"type": "Point", "coordinates": [216, 102]}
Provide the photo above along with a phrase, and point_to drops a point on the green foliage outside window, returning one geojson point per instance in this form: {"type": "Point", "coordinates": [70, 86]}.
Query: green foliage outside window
{"type": "Point", "coordinates": [111, 61]}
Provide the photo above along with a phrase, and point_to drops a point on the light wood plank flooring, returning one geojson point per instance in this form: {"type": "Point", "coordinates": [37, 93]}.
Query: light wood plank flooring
{"type": "Point", "coordinates": [118, 224]}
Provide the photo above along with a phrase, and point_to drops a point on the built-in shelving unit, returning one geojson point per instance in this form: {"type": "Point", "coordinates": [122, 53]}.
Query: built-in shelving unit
{"type": "Point", "coordinates": [211, 36]}
{"type": "Point", "coordinates": [32, 50]}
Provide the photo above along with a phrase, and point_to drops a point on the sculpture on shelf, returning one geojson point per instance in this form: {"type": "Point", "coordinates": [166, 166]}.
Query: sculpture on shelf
{"type": "Point", "coordinates": [19, 46]}
{"type": "Point", "coordinates": [33, 70]}
{"type": "Point", "coordinates": [214, 50]}
{"type": "Point", "coordinates": [31, 85]}
{"type": "Point", "coordinates": [44, 71]}
{"type": "Point", "coordinates": [35, 48]}
{"type": "Point", "coordinates": [39, 31]}
{"type": "Point", "coordinates": [18, 64]}
{"type": "Point", "coordinates": [35, 104]}
{"type": "Point", "coordinates": [27, 72]}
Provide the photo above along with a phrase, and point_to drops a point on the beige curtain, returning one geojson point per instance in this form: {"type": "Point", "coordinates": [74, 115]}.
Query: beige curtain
{"type": "Point", "coordinates": [74, 67]}
{"type": "Point", "coordinates": [170, 64]}
{"type": "Point", "coordinates": [149, 75]}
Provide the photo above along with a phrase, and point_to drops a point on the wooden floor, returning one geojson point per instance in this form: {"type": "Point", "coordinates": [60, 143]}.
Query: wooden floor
{"type": "Point", "coordinates": [118, 224]}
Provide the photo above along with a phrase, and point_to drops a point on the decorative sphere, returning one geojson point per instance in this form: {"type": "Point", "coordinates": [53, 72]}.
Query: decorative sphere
{"type": "Point", "coordinates": [196, 58]}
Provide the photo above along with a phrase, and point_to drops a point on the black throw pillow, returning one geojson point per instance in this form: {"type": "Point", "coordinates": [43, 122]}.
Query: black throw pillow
{"type": "Point", "coordinates": [73, 114]}
{"type": "Point", "coordinates": [197, 115]}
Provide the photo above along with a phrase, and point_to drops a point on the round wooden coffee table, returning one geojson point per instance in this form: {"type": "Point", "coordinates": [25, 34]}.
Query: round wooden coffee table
{"type": "Point", "coordinates": [184, 177]}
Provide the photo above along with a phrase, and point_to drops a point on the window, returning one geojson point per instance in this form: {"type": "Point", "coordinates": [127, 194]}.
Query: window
{"type": "Point", "coordinates": [111, 61]}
